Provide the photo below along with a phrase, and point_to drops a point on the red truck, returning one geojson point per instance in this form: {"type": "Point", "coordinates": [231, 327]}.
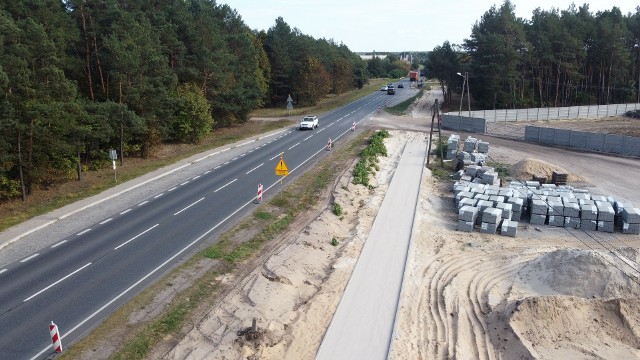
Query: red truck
{"type": "Point", "coordinates": [414, 75]}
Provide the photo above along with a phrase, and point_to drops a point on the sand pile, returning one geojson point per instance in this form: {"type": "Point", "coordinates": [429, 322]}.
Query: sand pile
{"type": "Point", "coordinates": [527, 168]}
{"type": "Point", "coordinates": [583, 273]}
{"type": "Point", "coordinates": [564, 327]}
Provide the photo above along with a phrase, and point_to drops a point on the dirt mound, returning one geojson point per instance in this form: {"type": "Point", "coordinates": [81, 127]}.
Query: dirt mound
{"type": "Point", "coordinates": [527, 168]}
{"type": "Point", "coordinates": [564, 327]}
{"type": "Point", "coordinates": [583, 273]}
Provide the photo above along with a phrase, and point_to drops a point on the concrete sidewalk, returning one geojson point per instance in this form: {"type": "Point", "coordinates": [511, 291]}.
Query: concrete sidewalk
{"type": "Point", "coordinates": [362, 326]}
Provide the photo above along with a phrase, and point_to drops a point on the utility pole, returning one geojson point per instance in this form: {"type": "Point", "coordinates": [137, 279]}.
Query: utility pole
{"type": "Point", "coordinates": [435, 112]}
{"type": "Point", "coordinates": [466, 77]}
{"type": "Point", "coordinates": [462, 93]}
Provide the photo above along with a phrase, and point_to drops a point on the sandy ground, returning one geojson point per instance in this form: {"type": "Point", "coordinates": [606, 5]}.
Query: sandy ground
{"type": "Point", "coordinates": [549, 293]}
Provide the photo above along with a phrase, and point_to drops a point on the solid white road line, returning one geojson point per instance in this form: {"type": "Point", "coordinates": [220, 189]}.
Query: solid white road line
{"type": "Point", "coordinates": [106, 221]}
{"type": "Point", "coordinates": [253, 169]}
{"type": "Point", "coordinates": [58, 244]}
{"type": "Point", "coordinates": [54, 284]}
{"type": "Point", "coordinates": [135, 237]}
{"type": "Point", "coordinates": [29, 258]}
{"type": "Point", "coordinates": [83, 232]}
{"type": "Point", "coordinates": [189, 206]}
{"type": "Point", "coordinates": [225, 185]}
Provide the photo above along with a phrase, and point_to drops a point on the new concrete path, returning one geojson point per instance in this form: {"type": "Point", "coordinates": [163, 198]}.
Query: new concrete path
{"type": "Point", "coordinates": [362, 326]}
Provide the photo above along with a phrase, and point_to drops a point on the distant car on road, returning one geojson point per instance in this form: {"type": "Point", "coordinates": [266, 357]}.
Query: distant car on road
{"type": "Point", "coordinates": [384, 88]}
{"type": "Point", "coordinates": [400, 86]}
{"type": "Point", "coordinates": [309, 122]}
{"type": "Point", "coordinates": [391, 91]}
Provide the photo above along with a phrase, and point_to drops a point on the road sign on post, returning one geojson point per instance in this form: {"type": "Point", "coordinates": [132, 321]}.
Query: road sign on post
{"type": "Point", "coordinates": [113, 155]}
{"type": "Point", "coordinates": [289, 104]}
{"type": "Point", "coordinates": [281, 168]}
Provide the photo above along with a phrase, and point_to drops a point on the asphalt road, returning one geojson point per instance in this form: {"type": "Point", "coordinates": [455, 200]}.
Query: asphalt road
{"type": "Point", "coordinates": [363, 323]}
{"type": "Point", "coordinates": [81, 278]}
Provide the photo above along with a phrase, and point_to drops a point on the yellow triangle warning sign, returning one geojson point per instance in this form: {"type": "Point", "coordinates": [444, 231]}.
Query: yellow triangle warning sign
{"type": "Point", "coordinates": [281, 168]}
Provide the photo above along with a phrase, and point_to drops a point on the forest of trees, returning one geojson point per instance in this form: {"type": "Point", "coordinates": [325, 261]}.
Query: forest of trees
{"type": "Point", "coordinates": [78, 77]}
{"type": "Point", "coordinates": [557, 58]}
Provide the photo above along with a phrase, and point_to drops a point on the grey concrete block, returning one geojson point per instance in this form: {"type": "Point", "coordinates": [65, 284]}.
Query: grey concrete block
{"type": "Point", "coordinates": [516, 203]}
{"type": "Point", "coordinates": [631, 215]}
{"type": "Point", "coordinates": [506, 209]}
{"type": "Point", "coordinates": [606, 226]}
{"type": "Point", "coordinates": [481, 197]}
{"type": "Point", "coordinates": [491, 215]}
{"type": "Point", "coordinates": [539, 207]}
{"type": "Point", "coordinates": [506, 192]}
{"type": "Point", "coordinates": [451, 154]}
{"type": "Point", "coordinates": [491, 192]}
{"type": "Point", "coordinates": [470, 144]}
{"type": "Point", "coordinates": [630, 228]}
{"type": "Point", "coordinates": [483, 146]}
{"type": "Point", "coordinates": [516, 215]}
{"type": "Point", "coordinates": [555, 220]}
{"type": "Point", "coordinates": [555, 208]}
{"type": "Point", "coordinates": [538, 219]}
{"type": "Point", "coordinates": [467, 202]}
{"type": "Point", "coordinates": [598, 198]}
{"type": "Point", "coordinates": [509, 228]}
{"type": "Point", "coordinates": [488, 228]}
{"type": "Point", "coordinates": [605, 211]}
{"type": "Point", "coordinates": [465, 226]}
{"type": "Point", "coordinates": [532, 184]}
{"type": "Point", "coordinates": [472, 170]}
{"type": "Point", "coordinates": [491, 178]}
{"type": "Point", "coordinates": [571, 210]}
{"type": "Point", "coordinates": [464, 156]}
{"type": "Point", "coordinates": [478, 158]}
{"type": "Point", "coordinates": [588, 224]}
{"type": "Point", "coordinates": [468, 213]}
{"type": "Point", "coordinates": [497, 199]}
{"type": "Point", "coordinates": [588, 212]}
{"type": "Point", "coordinates": [572, 222]}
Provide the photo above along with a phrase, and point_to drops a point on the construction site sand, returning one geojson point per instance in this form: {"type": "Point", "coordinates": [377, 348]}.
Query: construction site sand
{"type": "Point", "coordinates": [546, 294]}
{"type": "Point", "coordinates": [527, 168]}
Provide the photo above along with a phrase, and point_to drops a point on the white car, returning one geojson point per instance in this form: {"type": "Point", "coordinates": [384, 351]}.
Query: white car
{"type": "Point", "coordinates": [384, 88]}
{"type": "Point", "coordinates": [309, 122]}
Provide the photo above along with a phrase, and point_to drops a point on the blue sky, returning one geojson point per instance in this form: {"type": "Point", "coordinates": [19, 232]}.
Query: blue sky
{"type": "Point", "coordinates": [367, 25]}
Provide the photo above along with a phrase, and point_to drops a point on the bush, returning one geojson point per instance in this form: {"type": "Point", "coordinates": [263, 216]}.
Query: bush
{"type": "Point", "coordinates": [337, 209]}
{"type": "Point", "coordinates": [334, 241]}
{"type": "Point", "coordinates": [369, 158]}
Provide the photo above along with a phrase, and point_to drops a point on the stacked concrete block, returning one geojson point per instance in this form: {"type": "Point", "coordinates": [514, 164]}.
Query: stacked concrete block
{"type": "Point", "coordinates": [617, 207]}
{"type": "Point", "coordinates": [489, 190]}
{"type": "Point", "coordinates": [588, 225]}
{"type": "Point", "coordinates": [491, 218]}
{"type": "Point", "coordinates": [491, 178]}
{"type": "Point", "coordinates": [556, 220]}
{"type": "Point", "coordinates": [481, 197]}
{"type": "Point", "coordinates": [516, 207]}
{"type": "Point", "coordinates": [572, 222]}
{"type": "Point", "coordinates": [571, 209]}
{"type": "Point", "coordinates": [464, 156]}
{"type": "Point", "coordinates": [506, 192]}
{"type": "Point", "coordinates": [452, 146]}
{"type": "Point", "coordinates": [462, 195]}
{"type": "Point", "coordinates": [460, 187]}
{"type": "Point", "coordinates": [472, 170]}
{"type": "Point", "coordinates": [555, 206]}
{"type": "Point", "coordinates": [598, 198]}
{"type": "Point", "coordinates": [507, 209]}
{"type": "Point", "coordinates": [497, 199]}
{"type": "Point", "coordinates": [532, 184]}
{"type": "Point", "coordinates": [509, 228]}
{"type": "Point", "coordinates": [451, 154]}
{"type": "Point", "coordinates": [483, 147]}
{"type": "Point", "coordinates": [470, 144]}
{"type": "Point", "coordinates": [631, 220]}
{"type": "Point", "coordinates": [538, 207]}
{"type": "Point", "coordinates": [478, 158]}
{"type": "Point", "coordinates": [466, 218]}
{"type": "Point", "coordinates": [538, 219]}
{"type": "Point", "coordinates": [605, 215]}
{"type": "Point", "coordinates": [467, 202]}
{"type": "Point", "coordinates": [588, 212]}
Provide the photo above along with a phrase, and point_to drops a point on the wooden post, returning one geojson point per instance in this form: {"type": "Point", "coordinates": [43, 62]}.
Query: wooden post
{"type": "Point", "coordinates": [434, 109]}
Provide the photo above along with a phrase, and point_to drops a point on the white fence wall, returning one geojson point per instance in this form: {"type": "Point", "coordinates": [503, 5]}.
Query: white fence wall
{"type": "Point", "coordinates": [557, 113]}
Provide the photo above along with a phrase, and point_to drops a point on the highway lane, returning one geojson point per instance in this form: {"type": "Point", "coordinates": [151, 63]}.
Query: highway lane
{"type": "Point", "coordinates": [82, 278]}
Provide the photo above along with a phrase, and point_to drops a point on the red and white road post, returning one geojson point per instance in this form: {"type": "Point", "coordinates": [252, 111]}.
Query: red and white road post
{"type": "Point", "coordinates": [353, 126]}
{"type": "Point", "coordinates": [329, 144]}
{"type": "Point", "coordinates": [56, 342]}
{"type": "Point", "coordinates": [259, 196]}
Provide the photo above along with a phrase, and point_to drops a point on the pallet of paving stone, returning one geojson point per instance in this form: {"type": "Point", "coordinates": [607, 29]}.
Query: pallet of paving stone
{"type": "Point", "coordinates": [588, 224]}
{"type": "Point", "coordinates": [631, 215]}
{"type": "Point", "coordinates": [478, 158]}
{"type": "Point", "coordinates": [506, 208]}
{"type": "Point", "coordinates": [516, 215]}
{"type": "Point", "coordinates": [488, 228]}
{"type": "Point", "coordinates": [539, 207]}
{"type": "Point", "coordinates": [605, 211]}
{"type": "Point", "coordinates": [469, 144]}
{"type": "Point", "coordinates": [588, 212]}
{"type": "Point", "coordinates": [467, 202]}
{"type": "Point", "coordinates": [451, 154]}
{"type": "Point", "coordinates": [491, 215]}
{"type": "Point", "coordinates": [468, 213]}
{"type": "Point", "coordinates": [538, 219]}
{"type": "Point", "coordinates": [555, 220]}
{"type": "Point", "coordinates": [466, 226]}
{"type": "Point", "coordinates": [628, 228]}
{"type": "Point", "coordinates": [606, 226]}
{"type": "Point", "coordinates": [572, 222]}
{"type": "Point", "coordinates": [539, 179]}
{"type": "Point", "coordinates": [516, 203]}
{"type": "Point", "coordinates": [570, 209]}
{"type": "Point", "coordinates": [555, 207]}
{"type": "Point", "coordinates": [509, 228]}
{"type": "Point", "coordinates": [483, 146]}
